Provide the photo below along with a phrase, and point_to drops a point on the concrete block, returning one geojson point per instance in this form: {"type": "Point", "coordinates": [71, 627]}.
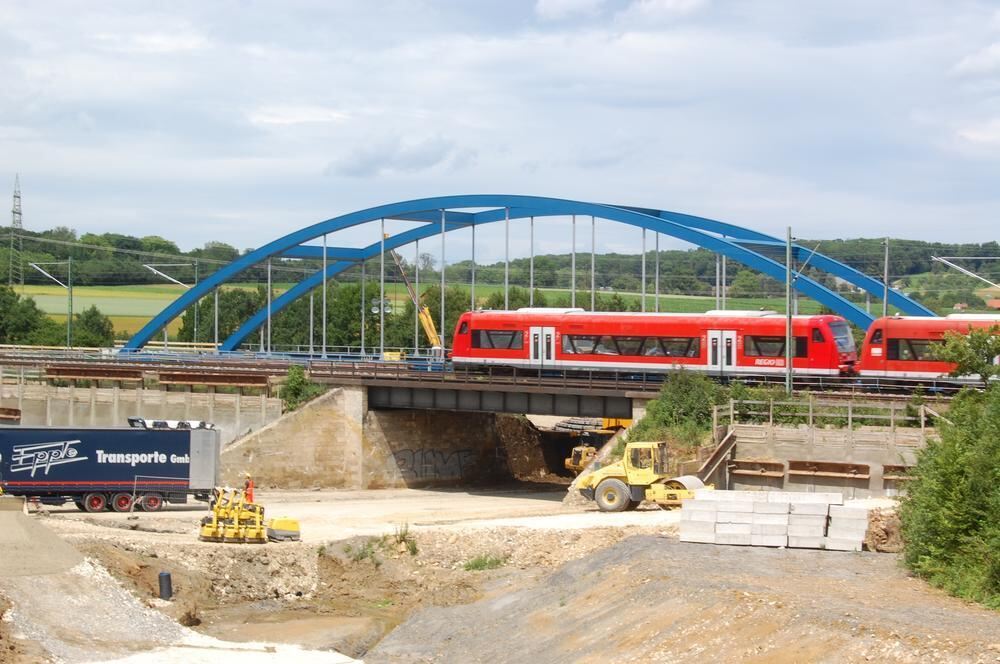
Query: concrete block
{"type": "Point", "coordinates": [697, 516]}
{"type": "Point", "coordinates": [814, 509]}
{"type": "Point", "coordinates": [771, 519]}
{"type": "Point", "coordinates": [741, 496]}
{"type": "Point", "coordinates": [770, 508]}
{"type": "Point", "coordinates": [806, 531]}
{"type": "Point", "coordinates": [699, 538]}
{"type": "Point", "coordinates": [804, 497]}
{"type": "Point", "coordinates": [736, 506]}
{"type": "Point", "coordinates": [768, 529]}
{"type": "Point", "coordinates": [845, 533]}
{"type": "Point", "coordinates": [733, 528]}
{"type": "Point", "coordinates": [796, 542]}
{"type": "Point", "coordinates": [734, 517]}
{"type": "Point", "coordinates": [807, 520]}
{"type": "Point", "coordinates": [699, 506]}
{"type": "Point", "coordinates": [696, 527]}
{"type": "Point", "coordinates": [768, 540]}
{"type": "Point", "coordinates": [848, 512]}
{"type": "Point", "coordinates": [840, 544]}
{"type": "Point", "coordinates": [738, 540]}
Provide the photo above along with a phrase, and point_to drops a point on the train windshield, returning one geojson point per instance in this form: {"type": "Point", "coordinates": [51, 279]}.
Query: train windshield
{"type": "Point", "coordinates": [842, 335]}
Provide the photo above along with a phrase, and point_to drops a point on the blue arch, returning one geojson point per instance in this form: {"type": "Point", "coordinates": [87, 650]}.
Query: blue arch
{"type": "Point", "coordinates": [695, 230]}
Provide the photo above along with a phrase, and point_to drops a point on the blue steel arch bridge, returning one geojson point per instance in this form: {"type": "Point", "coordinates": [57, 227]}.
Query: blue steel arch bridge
{"type": "Point", "coordinates": [440, 215]}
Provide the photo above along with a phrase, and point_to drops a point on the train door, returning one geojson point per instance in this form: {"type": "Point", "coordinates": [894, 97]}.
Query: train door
{"type": "Point", "coordinates": [543, 346]}
{"type": "Point", "coordinates": [721, 351]}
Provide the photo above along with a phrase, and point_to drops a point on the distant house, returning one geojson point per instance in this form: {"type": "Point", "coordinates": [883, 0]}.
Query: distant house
{"type": "Point", "coordinates": [960, 306]}
{"type": "Point", "coordinates": [993, 304]}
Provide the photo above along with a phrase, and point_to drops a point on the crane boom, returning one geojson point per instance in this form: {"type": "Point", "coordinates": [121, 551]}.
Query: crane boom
{"type": "Point", "coordinates": [423, 312]}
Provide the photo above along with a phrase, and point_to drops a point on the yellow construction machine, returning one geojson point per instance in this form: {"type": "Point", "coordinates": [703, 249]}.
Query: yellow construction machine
{"type": "Point", "coordinates": [236, 520]}
{"type": "Point", "coordinates": [423, 312]}
{"type": "Point", "coordinates": [581, 456]}
{"type": "Point", "coordinates": [640, 475]}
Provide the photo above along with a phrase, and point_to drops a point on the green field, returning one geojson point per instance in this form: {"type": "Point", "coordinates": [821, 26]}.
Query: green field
{"type": "Point", "coordinates": [130, 307]}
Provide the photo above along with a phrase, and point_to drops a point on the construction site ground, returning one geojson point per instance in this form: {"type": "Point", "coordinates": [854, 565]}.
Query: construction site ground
{"type": "Point", "coordinates": [382, 575]}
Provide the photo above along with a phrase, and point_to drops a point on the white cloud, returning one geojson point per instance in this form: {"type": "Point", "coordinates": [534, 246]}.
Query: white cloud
{"type": "Point", "coordinates": [294, 115]}
{"type": "Point", "coordinates": [658, 10]}
{"type": "Point", "coordinates": [983, 62]}
{"type": "Point", "coordinates": [153, 42]}
{"type": "Point", "coordinates": [553, 10]}
{"type": "Point", "coordinates": [987, 133]}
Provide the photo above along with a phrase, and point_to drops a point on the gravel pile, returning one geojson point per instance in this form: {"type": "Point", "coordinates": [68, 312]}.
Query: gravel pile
{"type": "Point", "coordinates": [30, 548]}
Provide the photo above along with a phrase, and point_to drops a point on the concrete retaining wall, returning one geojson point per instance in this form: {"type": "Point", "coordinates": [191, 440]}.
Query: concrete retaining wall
{"type": "Point", "coordinates": [336, 442]}
{"type": "Point", "coordinates": [872, 446]}
{"type": "Point", "coordinates": [45, 405]}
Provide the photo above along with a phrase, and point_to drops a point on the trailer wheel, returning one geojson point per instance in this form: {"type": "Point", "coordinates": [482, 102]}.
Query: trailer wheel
{"type": "Point", "coordinates": [79, 504]}
{"type": "Point", "coordinates": [152, 502]}
{"type": "Point", "coordinates": [121, 502]}
{"type": "Point", "coordinates": [95, 502]}
{"type": "Point", "coordinates": [612, 496]}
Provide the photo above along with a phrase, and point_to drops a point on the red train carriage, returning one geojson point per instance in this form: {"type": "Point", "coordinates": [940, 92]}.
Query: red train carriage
{"type": "Point", "coordinates": [719, 342]}
{"type": "Point", "coordinates": [902, 346]}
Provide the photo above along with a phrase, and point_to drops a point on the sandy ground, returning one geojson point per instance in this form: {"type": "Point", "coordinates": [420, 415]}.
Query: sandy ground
{"type": "Point", "coordinates": [335, 515]}
{"type": "Point", "coordinates": [570, 584]}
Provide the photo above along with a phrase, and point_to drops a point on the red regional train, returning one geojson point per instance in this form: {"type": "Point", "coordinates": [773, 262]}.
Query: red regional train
{"type": "Point", "coordinates": [901, 346]}
{"type": "Point", "coordinates": [723, 343]}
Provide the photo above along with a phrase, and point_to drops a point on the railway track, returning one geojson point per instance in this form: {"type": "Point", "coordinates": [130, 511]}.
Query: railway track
{"type": "Point", "coordinates": [82, 366]}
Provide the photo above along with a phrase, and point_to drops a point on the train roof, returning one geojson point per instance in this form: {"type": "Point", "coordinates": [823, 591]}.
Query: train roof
{"type": "Point", "coordinates": [714, 313]}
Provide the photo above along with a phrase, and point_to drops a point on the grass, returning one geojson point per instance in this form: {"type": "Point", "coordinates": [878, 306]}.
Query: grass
{"type": "Point", "coordinates": [484, 562]}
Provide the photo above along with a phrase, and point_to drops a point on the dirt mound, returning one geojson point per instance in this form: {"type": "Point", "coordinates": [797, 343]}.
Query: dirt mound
{"type": "Point", "coordinates": [29, 548]}
{"type": "Point", "coordinates": [885, 532]}
{"type": "Point", "coordinates": [656, 599]}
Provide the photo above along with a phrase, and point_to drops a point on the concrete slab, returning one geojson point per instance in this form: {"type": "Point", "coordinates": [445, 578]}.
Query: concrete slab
{"type": "Point", "coordinates": [768, 529]}
{"type": "Point", "coordinates": [838, 511]}
{"type": "Point", "coordinates": [809, 508]}
{"type": "Point", "coordinates": [698, 516]}
{"type": "Point", "coordinates": [770, 508]}
{"type": "Point", "coordinates": [736, 540]}
{"type": "Point", "coordinates": [698, 538]}
{"type": "Point", "coordinates": [806, 531]}
{"type": "Point", "coordinates": [768, 540]}
{"type": "Point", "coordinates": [804, 497]}
{"type": "Point", "coordinates": [734, 517]}
{"type": "Point", "coordinates": [699, 505]}
{"type": "Point", "coordinates": [846, 533]}
{"type": "Point", "coordinates": [771, 519]}
{"type": "Point", "coordinates": [841, 544]}
{"type": "Point", "coordinates": [736, 506]}
{"type": "Point", "coordinates": [733, 529]}
{"type": "Point", "coordinates": [696, 528]}
{"type": "Point", "coordinates": [796, 542]}
{"type": "Point", "coordinates": [807, 520]}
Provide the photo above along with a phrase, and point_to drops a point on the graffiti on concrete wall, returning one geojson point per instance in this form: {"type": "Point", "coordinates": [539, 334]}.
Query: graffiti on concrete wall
{"type": "Point", "coordinates": [431, 464]}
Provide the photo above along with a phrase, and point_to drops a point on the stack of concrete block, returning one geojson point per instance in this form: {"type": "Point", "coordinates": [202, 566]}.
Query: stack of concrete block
{"type": "Point", "coordinates": [847, 529]}
{"type": "Point", "coordinates": [759, 518]}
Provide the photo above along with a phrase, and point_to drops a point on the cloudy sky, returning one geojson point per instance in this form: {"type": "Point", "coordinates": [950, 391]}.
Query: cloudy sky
{"type": "Point", "coordinates": [240, 121]}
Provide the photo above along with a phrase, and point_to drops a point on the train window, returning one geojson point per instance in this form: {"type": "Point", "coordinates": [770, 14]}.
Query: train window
{"type": "Point", "coordinates": [464, 328]}
{"type": "Point", "coordinates": [843, 337]}
{"type": "Point", "coordinates": [500, 339]}
{"type": "Point", "coordinates": [911, 350]}
{"type": "Point", "coordinates": [629, 345]}
{"type": "Point", "coordinates": [681, 346]}
{"type": "Point", "coordinates": [818, 336]}
{"type": "Point", "coordinates": [651, 347]}
{"type": "Point", "coordinates": [756, 346]}
{"type": "Point", "coordinates": [606, 346]}
{"type": "Point", "coordinates": [877, 336]}
{"type": "Point", "coordinates": [572, 343]}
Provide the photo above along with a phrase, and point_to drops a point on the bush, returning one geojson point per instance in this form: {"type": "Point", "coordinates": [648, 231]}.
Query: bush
{"type": "Point", "coordinates": [683, 410]}
{"type": "Point", "coordinates": [951, 515]}
{"type": "Point", "coordinates": [298, 389]}
{"type": "Point", "coordinates": [484, 562]}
